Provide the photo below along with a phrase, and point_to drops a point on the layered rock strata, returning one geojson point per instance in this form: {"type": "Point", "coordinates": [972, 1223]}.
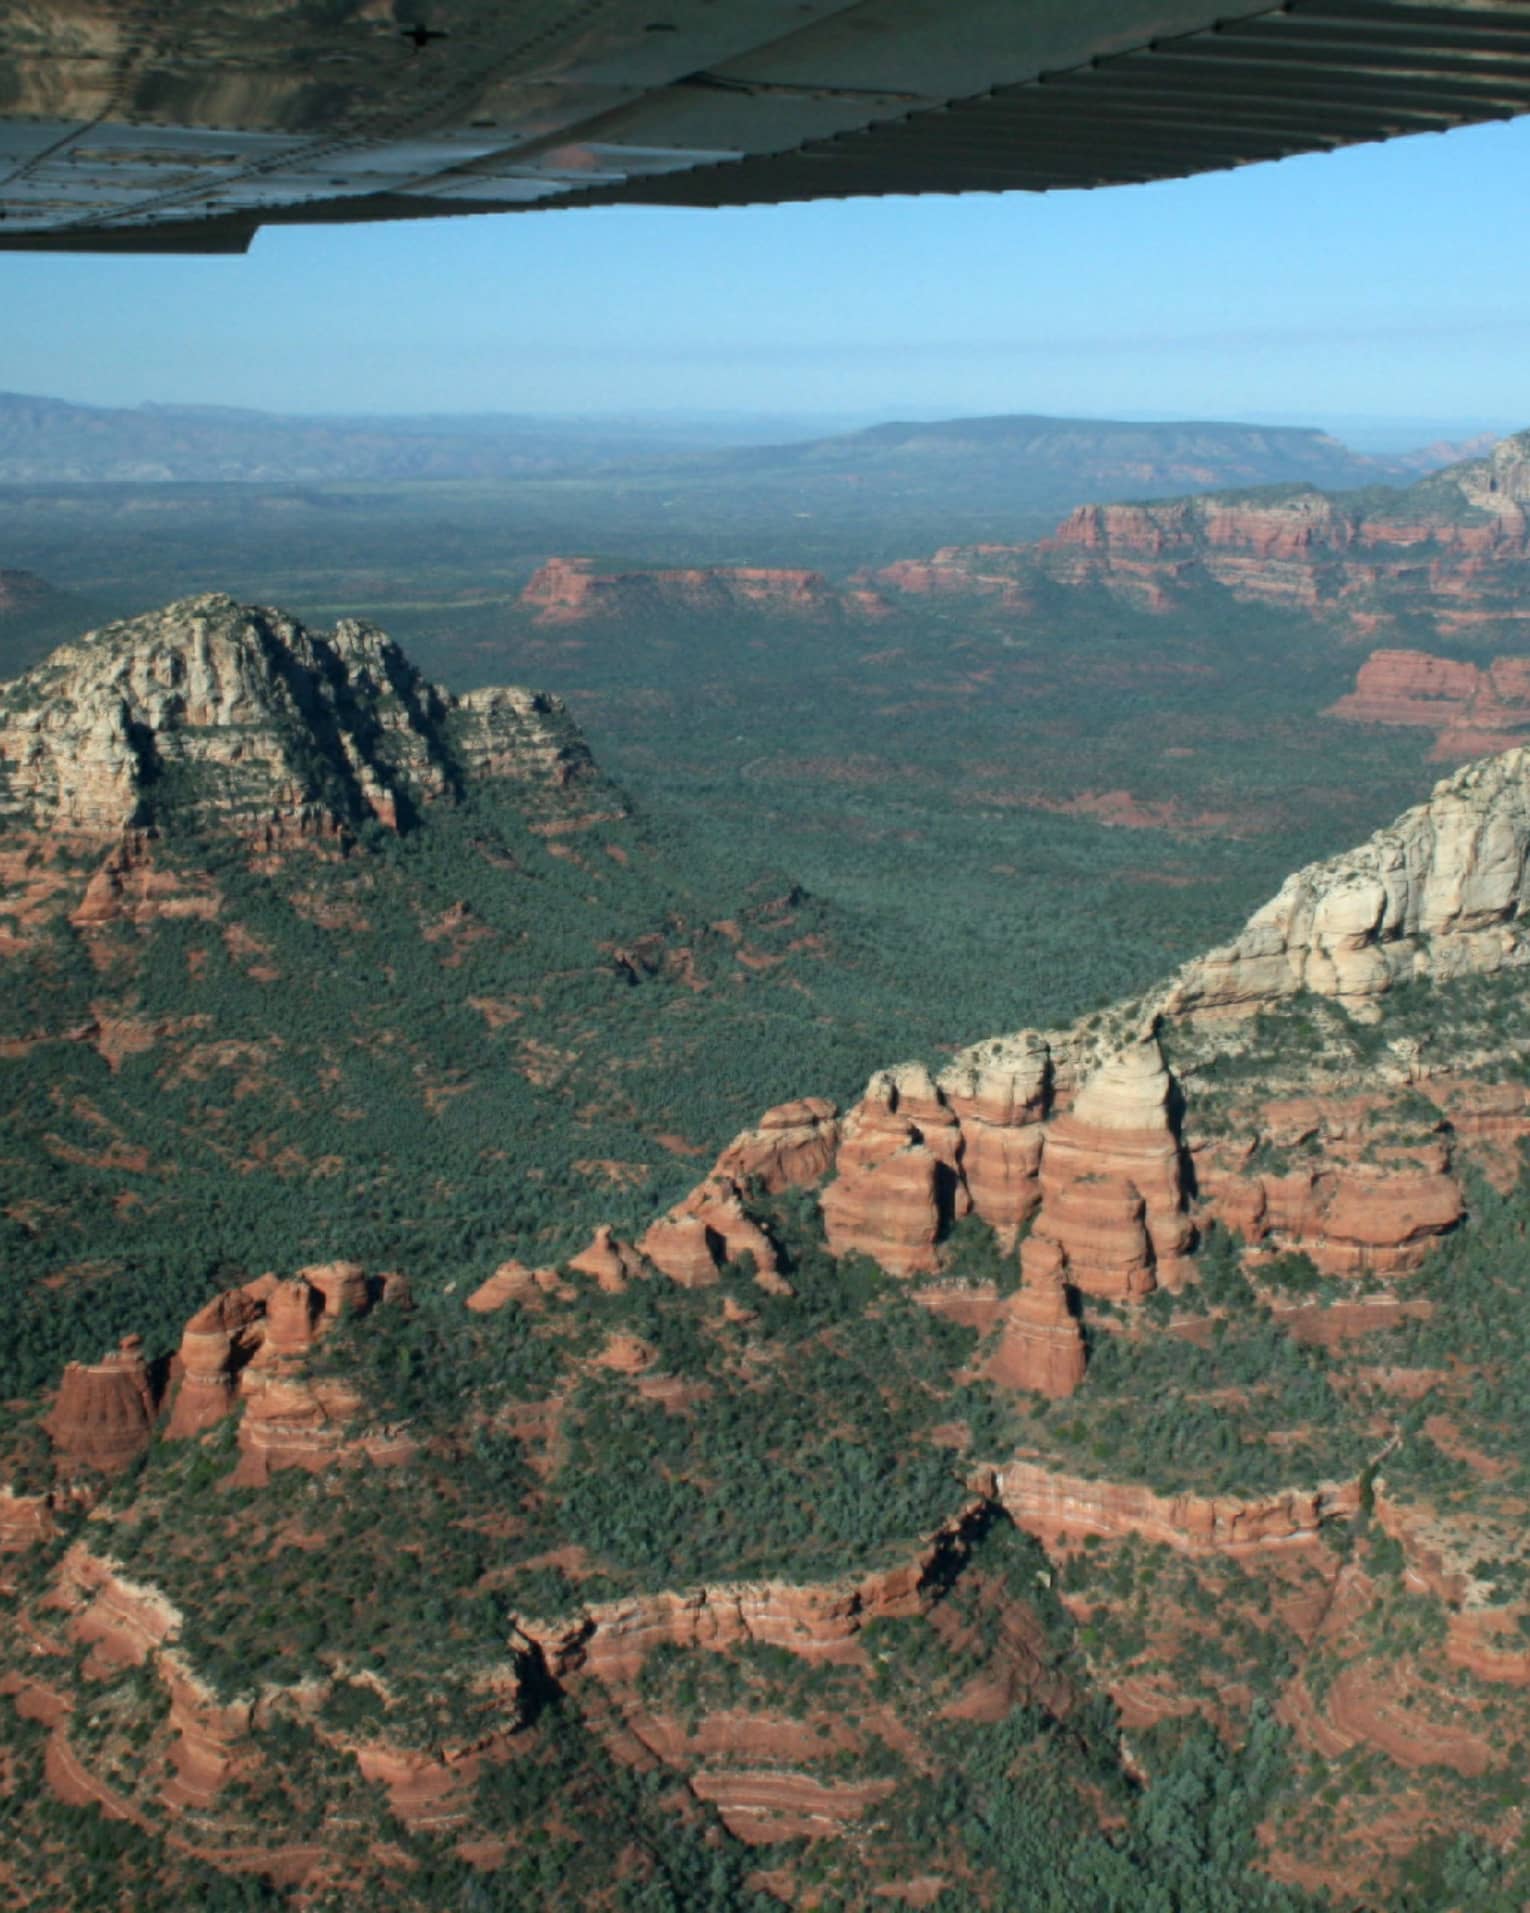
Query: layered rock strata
{"type": "Point", "coordinates": [791, 1147]}
{"type": "Point", "coordinates": [611, 1263]}
{"type": "Point", "coordinates": [1000, 1094]}
{"type": "Point", "coordinates": [1112, 1196]}
{"type": "Point", "coordinates": [886, 1198]}
{"type": "Point", "coordinates": [246, 1350]}
{"type": "Point", "coordinates": [1351, 1218]}
{"type": "Point", "coordinates": [1450, 546]}
{"type": "Point", "coordinates": [1041, 1343]}
{"type": "Point", "coordinates": [710, 1227]}
{"type": "Point", "coordinates": [816, 1621]}
{"type": "Point", "coordinates": [1474, 709]}
{"type": "Point", "coordinates": [103, 1417]}
{"type": "Point", "coordinates": [211, 713]}
{"type": "Point", "coordinates": [1451, 549]}
{"type": "Point", "coordinates": [1059, 1508]}
{"type": "Point", "coordinates": [1440, 894]}
{"type": "Point", "coordinates": [575, 591]}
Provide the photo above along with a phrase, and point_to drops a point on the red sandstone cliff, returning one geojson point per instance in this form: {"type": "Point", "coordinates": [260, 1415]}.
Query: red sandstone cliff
{"type": "Point", "coordinates": [1475, 709]}
{"type": "Point", "coordinates": [573, 591]}
{"type": "Point", "coordinates": [1041, 1345]}
{"type": "Point", "coordinates": [104, 1413]}
{"type": "Point", "coordinates": [1452, 548]}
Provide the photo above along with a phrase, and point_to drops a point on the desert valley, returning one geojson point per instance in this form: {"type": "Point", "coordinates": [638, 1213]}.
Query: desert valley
{"type": "Point", "coordinates": [823, 1211]}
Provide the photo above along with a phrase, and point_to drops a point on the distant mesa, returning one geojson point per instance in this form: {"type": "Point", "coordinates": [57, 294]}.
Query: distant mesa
{"type": "Point", "coordinates": [1450, 548]}
{"type": "Point", "coordinates": [575, 591]}
{"type": "Point", "coordinates": [1029, 460]}
{"type": "Point", "coordinates": [1032, 460]}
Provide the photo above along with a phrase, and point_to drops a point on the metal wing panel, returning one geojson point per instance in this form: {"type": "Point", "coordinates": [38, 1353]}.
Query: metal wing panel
{"type": "Point", "coordinates": [135, 124]}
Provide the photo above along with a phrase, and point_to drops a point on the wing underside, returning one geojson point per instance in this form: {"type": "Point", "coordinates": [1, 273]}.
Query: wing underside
{"type": "Point", "coordinates": [127, 125]}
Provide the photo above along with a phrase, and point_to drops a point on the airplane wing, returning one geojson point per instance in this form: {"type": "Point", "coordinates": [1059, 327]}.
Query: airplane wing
{"type": "Point", "coordinates": [186, 125]}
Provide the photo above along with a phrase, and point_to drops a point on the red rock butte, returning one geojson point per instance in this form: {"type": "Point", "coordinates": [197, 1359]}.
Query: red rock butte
{"type": "Point", "coordinates": [575, 591]}
{"type": "Point", "coordinates": [1041, 1343]}
{"type": "Point", "coordinates": [104, 1414]}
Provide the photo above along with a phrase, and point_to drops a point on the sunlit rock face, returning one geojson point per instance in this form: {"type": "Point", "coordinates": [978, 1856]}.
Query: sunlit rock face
{"type": "Point", "coordinates": [215, 713]}
{"type": "Point", "coordinates": [792, 1146]}
{"type": "Point", "coordinates": [885, 1200]}
{"type": "Point", "coordinates": [1440, 893]}
{"type": "Point", "coordinates": [1476, 709]}
{"type": "Point", "coordinates": [1450, 548]}
{"type": "Point", "coordinates": [1112, 1192]}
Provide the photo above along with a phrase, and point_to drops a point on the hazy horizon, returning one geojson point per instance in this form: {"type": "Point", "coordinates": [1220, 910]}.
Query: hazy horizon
{"type": "Point", "coordinates": [1378, 283]}
{"type": "Point", "coordinates": [1364, 432]}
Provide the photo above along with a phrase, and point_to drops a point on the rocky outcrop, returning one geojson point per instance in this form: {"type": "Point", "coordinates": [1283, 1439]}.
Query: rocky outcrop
{"type": "Point", "coordinates": [574, 591]}
{"type": "Point", "coordinates": [887, 1196]}
{"type": "Point", "coordinates": [123, 1621]}
{"type": "Point", "coordinates": [681, 1246]}
{"type": "Point", "coordinates": [763, 1806]}
{"type": "Point", "coordinates": [608, 1261]}
{"type": "Point", "coordinates": [512, 1281]}
{"type": "Point", "coordinates": [1282, 552]}
{"type": "Point", "coordinates": [997, 572]}
{"type": "Point", "coordinates": [1475, 709]}
{"type": "Point", "coordinates": [791, 1147]}
{"type": "Point", "coordinates": [1438, 894]}
{"type": "Point", "coordinates": [999, 1093]}
{"type": "Point", "coordinates": [528, 737]}
{"type": "Point", "coordinates": [710, 1227]}
{"type": "Point", "coordinates": [1041, 1343]}
{"type": "Point", "coordinates": [208, 1736]}
{"type": "Point", "coordinates": [1351, 1218]}
{"type": "Point", "coordinates": [1450, 547]}
{"type": "Point", "coordinates": [25, 1519]}
{"type": "Point", "coordinates": [1112, 1196]}
{"type": "Point", "coordinates": [104, 1414]}
{"type": "Point", "coordinates": [818, 1621]}
{"type": "Point", "coordinates": [1060, 1508]}
{"type": "Point", "coordinates": [215, 1345]}
{"type": "Point", "coordinates": [211, 713]}
{"type": "Point", "coordinates": [246, 1350]}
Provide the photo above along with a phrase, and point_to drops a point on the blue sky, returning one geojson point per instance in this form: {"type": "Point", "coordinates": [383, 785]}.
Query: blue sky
{"type": "Point", "coordinates": [1386, 282]}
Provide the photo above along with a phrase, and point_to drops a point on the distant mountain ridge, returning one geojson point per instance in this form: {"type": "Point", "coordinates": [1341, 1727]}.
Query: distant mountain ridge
{"type": "Point", "coordinates": [55, 442]}
{"type": "Point", "coordinates": [52, 441]}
